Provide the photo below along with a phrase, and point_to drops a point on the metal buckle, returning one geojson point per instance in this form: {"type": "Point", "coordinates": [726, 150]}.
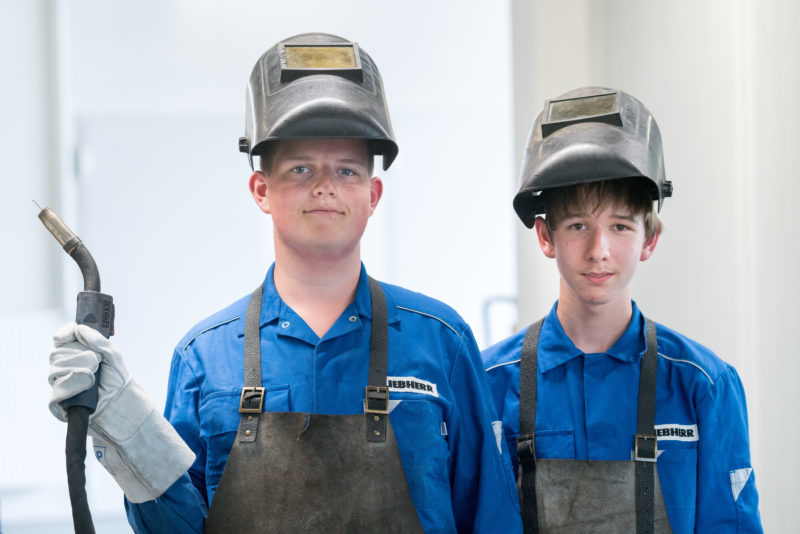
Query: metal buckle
{"type": "Point", "coordinates": [646, 438]}
{"type": "Point", "coordinates": [376, 395]}
{"type": "Point", "coordinates": [252, 400]}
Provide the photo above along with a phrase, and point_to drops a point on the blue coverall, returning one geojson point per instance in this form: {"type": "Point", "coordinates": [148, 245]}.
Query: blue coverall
{"type": "Point", "coordinates": [587, 406]}
{"type": "Point", "coordinates": [449, 438]}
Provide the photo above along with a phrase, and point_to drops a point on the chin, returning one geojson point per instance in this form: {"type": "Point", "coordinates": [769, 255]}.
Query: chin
{"type": "Point", "coordinates": [595, 298]}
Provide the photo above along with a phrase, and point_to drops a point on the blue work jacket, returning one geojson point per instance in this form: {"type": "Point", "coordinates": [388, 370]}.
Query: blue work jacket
{"type": "Point", "coordinates": [449, 438]}
{"type": "Point", "coordinates": [587, 404]}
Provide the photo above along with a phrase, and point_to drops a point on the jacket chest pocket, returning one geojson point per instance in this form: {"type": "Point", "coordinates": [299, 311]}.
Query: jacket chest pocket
{"type": "Point", "coordinates": [421, 435]}
{"type": "Point", "coordinates": [677, 472]}
{"type": "Point", "coordinates": [219, 422]}
{"type": "Point", "coordinates": [559, 443]}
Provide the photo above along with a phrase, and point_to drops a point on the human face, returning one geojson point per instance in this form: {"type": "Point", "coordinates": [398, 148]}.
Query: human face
{"type": "Point", "coordinates": [597, 254]}
{"type": "Point", "coordinates": [319, 194]}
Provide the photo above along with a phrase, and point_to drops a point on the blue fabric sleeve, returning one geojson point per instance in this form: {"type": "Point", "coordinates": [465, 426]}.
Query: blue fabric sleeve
{"type": "Point", "coordinates": [727, 500]}
{"type": "Point", "coordinates": [183, 507]}
{"type": "Point", "coordinates": [180, 509]}
{"type": "Point", "coordinates": [504, 386]}
{"type": "Point", "coordinates": [484, 497]}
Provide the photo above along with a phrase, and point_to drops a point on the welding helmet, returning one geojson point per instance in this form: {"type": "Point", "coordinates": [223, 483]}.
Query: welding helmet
{"type": "Point", "coordinates": [588, 135]}
{"type": "Point", "coordinates": [317, 85]}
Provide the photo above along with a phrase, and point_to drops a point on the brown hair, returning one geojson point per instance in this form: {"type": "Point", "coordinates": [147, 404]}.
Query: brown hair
{"type": "Point", "coordinates": [635, 194]}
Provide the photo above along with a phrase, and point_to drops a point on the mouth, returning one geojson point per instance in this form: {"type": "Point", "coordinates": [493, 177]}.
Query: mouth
{"type": "Point", "coordinates": [324, 211]}
{"type": "Point", "coordinates": [598, 278]}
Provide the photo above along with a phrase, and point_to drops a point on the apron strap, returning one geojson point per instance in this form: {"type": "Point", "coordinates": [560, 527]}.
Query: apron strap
{"type": "Point", "coordinates": [376, 396]}
{"type": "Point", "coordinates": [376, 407]}
{"type": "Point", "coordinates": [251, 402]}
{"type": "Point", "coordinates": [645, 446]}
{"type": "Point", "coordinates": [526, 451]}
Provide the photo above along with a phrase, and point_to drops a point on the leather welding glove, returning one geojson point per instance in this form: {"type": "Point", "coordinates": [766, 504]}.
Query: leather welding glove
{"type": "Point", "coordinates": [132, 440]}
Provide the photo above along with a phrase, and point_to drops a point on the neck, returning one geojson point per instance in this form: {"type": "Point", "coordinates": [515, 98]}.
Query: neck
{"type": "Point", "coordinates": [318, 288]}
{"type": "Point", "coordinates": [592, 327]}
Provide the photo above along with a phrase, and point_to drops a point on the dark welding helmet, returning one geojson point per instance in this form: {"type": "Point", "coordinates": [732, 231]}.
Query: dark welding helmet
{"type": "Point", "coordinates": [588, 135]}
{"type": "Point", "coordinates": [317, 85]}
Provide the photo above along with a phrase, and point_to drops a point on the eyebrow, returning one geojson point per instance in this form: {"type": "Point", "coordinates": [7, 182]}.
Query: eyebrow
{"type": "Point", "coordinates": [575, 215]}
{"type": "Point", "coordinates": [353, 160]}
{"type": "Point", "coordinates": [578, 215]}
{"type": "Point", "coordinates": [303, 159]}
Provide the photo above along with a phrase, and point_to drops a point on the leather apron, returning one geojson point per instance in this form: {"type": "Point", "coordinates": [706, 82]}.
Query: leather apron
{"type": "Point", "coordinates": [572, 496]}
{"type": "Point", "coordinates": [302, 472]}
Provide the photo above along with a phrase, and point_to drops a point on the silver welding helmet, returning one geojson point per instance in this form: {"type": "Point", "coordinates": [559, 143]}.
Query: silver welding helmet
{"type": "Point", "coordinates": [588, 135]}
{"type": "Point", "coordinates": [317, 85]}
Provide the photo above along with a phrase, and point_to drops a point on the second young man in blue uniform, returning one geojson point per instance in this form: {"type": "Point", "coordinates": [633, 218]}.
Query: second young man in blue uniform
{"type": "Point", "coordinates": [595, 395]}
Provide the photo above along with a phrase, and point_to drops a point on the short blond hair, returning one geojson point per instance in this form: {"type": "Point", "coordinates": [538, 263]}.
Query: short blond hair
{"type": "Point", "coordinates": [268, 153]}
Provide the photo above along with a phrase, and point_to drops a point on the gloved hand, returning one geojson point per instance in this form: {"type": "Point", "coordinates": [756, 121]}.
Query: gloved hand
{"type": "Point", "coordinates": [140, 449]}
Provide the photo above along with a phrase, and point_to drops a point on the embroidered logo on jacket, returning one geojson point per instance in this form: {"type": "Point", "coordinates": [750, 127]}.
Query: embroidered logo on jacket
{"type": "Point", "coordinates": [677, 433]}
{"type": "Point", "coordinates": [410, 384]}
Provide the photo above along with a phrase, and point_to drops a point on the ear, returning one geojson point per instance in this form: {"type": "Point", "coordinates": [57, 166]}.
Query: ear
{"type": "Point", "coordinates": [545, 240]}
{"type": "Point", "coordinates": [258, 188]}
{"type": "Point", "coordinates": [649, 247]}
{"type": "Point", "coordinates": [375, 193]}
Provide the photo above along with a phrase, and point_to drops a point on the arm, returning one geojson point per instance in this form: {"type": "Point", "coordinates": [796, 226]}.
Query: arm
{"type": "Point", "coordinates": [502, 372]}
{"type": "Point", "coordinates": [133, 442]}
{"type": "Point", "coordinates": [484, 493]}
{"type": "Point", "coordinates": [727, 499]}
{"type": "Point", "coordinates": [183, 507]}
{"type": "Point", "coordinates": [180, 509]}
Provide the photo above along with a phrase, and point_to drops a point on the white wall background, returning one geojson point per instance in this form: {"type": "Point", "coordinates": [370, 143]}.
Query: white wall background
{"type": "Point", "coordinates": [124, 116]}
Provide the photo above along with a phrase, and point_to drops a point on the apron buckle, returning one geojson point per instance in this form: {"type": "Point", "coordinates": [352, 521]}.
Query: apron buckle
{"type": "Point", "coordinates": [525, 447]}
{"type": "Point", "coordinates": [645, 448]}
{"type": "Point", "coordinates": [252, 400]}
{"type": "Point", "coordinates": [377, 399]}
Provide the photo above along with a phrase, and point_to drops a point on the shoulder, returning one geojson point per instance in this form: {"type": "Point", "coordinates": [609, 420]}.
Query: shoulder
{"type": "Point", "coordinates": [422, 309]}
{"type": "Point", "coordinates": [223, 322]}
{"type": "Point", "coordinates": [504, 353]}
{"type": "Point", "coordinates": [686, 354]}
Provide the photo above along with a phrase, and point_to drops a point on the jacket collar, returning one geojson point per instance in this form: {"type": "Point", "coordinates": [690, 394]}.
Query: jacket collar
{"type": "Point", "coordinates": [556, 348]}
{"type": "Point", "coordinates": [272, 305]}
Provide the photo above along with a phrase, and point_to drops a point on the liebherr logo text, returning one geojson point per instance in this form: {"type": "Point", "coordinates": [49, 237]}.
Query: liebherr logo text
{"type": "Point", "coordinates": [410, 384]}
{"type": "Point", "coordinates": [677, 432]}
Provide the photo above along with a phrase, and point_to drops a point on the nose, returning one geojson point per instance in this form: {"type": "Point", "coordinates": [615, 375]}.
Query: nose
{"type": "Point", "coordinates": [324, 183]}
{"type": "Point", "coordinates": [597, 246]}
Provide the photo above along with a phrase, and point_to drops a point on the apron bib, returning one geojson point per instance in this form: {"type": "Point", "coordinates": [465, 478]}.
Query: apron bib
{"type": "Point", "coordinates": [576, 496]}
{"type": "Point", "coordinates": [300, 472]}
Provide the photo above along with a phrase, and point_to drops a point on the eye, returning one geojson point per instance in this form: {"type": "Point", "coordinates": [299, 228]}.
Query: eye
{"type": "Point", "coordinates": [577, 226]}
{"type": "Point", "coordinates": [619, 227]}
{"type": "Point", "coordinates": [300, 169]}
{"type": "Point", "coordinates": [348, 172]}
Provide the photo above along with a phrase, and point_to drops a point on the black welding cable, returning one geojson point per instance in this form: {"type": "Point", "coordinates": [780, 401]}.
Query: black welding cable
{"type": "Point", "coordinates": [77, 427]}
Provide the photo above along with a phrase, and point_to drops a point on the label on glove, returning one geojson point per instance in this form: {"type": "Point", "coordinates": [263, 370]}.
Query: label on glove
{"type": "Point", "coordinates": [100, 454]}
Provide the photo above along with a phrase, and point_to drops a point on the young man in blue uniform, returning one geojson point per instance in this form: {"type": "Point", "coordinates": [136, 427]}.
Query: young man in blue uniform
{"type": "Point", "coordinates": [325, 401]}
{"type": "Point", "coordinates": [595, 395]}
